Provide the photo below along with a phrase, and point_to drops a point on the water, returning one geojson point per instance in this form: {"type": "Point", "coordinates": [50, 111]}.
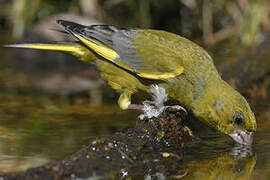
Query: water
{"type": "Point", "coordinates": [216, 160]}
{"type": "Point", "coordinates": [36, 129]}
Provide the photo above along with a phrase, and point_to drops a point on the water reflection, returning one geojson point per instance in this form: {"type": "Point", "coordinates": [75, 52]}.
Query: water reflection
{"type": "Point", "coordinates": [241, 151]}
{"type": "Point", "coordinates": [237, 164]}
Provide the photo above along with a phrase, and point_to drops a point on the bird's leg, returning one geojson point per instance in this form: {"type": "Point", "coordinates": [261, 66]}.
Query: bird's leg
{"type": "Point", "coordinates": [136, 106]}
{"type": "Point", "coordinates": [150, 108]}
{"type": "Point", "coordinates": [124, 102]}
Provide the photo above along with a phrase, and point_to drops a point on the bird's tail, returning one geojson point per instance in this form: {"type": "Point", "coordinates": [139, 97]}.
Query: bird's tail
{"type": "Point", "coordinates": [74, 48]}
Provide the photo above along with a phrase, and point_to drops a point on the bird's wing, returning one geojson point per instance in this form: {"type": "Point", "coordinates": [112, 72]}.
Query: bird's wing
{"type": "Point", "coordinates": [147, 53]}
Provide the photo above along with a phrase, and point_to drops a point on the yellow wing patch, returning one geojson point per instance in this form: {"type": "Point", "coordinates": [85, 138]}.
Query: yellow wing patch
{"type": "Point", "coordinates": [112, 55]}
{"type": "Point", "coordinates": [99, 48]}
{"type": "Point", "coordinates": [167, 75]}
{"type": "Point", "coordinates": [103, 51]}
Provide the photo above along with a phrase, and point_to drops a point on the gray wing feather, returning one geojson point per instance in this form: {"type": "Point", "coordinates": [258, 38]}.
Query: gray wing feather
{"type": "Point", "coordinates": [123, 44]}
{"type": "Point", "coordinates": [100, 33]}
{"type": "Point", "coordinates": [119, 39]}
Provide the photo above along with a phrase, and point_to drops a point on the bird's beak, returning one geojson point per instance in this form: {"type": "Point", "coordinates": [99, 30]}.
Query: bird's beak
{"type": "Point", "coordinates": [242, 137]}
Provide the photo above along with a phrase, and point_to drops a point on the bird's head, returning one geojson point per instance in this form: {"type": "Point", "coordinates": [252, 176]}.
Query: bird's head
{"type": "Point", "coordinates": [228, 111]}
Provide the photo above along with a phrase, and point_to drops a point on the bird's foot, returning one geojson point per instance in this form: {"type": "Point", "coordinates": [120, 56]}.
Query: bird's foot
{"type": "Point", "coordinates": [155, 107]}
{"type": "Point", "coordinates": [149, 110]}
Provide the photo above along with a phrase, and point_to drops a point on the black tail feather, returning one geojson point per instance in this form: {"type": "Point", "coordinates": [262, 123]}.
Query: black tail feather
{"type": "Point", "coordinates": [100, 33]}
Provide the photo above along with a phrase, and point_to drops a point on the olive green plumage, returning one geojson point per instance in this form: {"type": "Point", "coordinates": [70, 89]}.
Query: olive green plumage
{"type": "Point", "coordinates": [131, 60]}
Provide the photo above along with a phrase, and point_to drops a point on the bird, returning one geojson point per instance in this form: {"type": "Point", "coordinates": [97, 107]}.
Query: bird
{"type": "Point", "coordinates": [132, 60]}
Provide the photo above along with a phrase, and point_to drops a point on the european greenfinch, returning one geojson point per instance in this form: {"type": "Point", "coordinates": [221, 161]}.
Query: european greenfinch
{"type": "Point", "coordinates": [132, 60]}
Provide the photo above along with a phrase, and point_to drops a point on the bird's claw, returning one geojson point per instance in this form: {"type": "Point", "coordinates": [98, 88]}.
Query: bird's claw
{"type": "Point", "coordinates": [141, 117]}
{"type": "Point", "coordinates": [176, 108]}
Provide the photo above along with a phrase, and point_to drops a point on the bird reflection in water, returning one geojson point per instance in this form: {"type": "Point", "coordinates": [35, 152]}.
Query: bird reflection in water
{"type": "Point", "coordinates": [237, 164]}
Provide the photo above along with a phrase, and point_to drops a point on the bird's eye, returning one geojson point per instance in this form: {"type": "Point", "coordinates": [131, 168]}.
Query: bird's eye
{"type": "Point", "coordinates": [239, 120]}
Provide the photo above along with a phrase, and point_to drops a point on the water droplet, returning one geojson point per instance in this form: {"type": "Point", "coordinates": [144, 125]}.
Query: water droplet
{"type": "Point", "coordinates": [72, 176]}
{"type": "Point", "coordinates": [124, 172]}
{"type": "Point", "coordinates": [93, 148]}
{"type": "Point", "coordinates": [108, 157]}
{"type": "Point", "coordinates": [110, 145]}
{"type": "Point", "coordinates": [87, 156]}
{"type": "Point", "coordinates": [123, 157]}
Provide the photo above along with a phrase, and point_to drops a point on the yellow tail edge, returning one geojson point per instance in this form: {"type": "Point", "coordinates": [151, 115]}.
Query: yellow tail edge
{"type": "Point", "coordinates": [73, 48]}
